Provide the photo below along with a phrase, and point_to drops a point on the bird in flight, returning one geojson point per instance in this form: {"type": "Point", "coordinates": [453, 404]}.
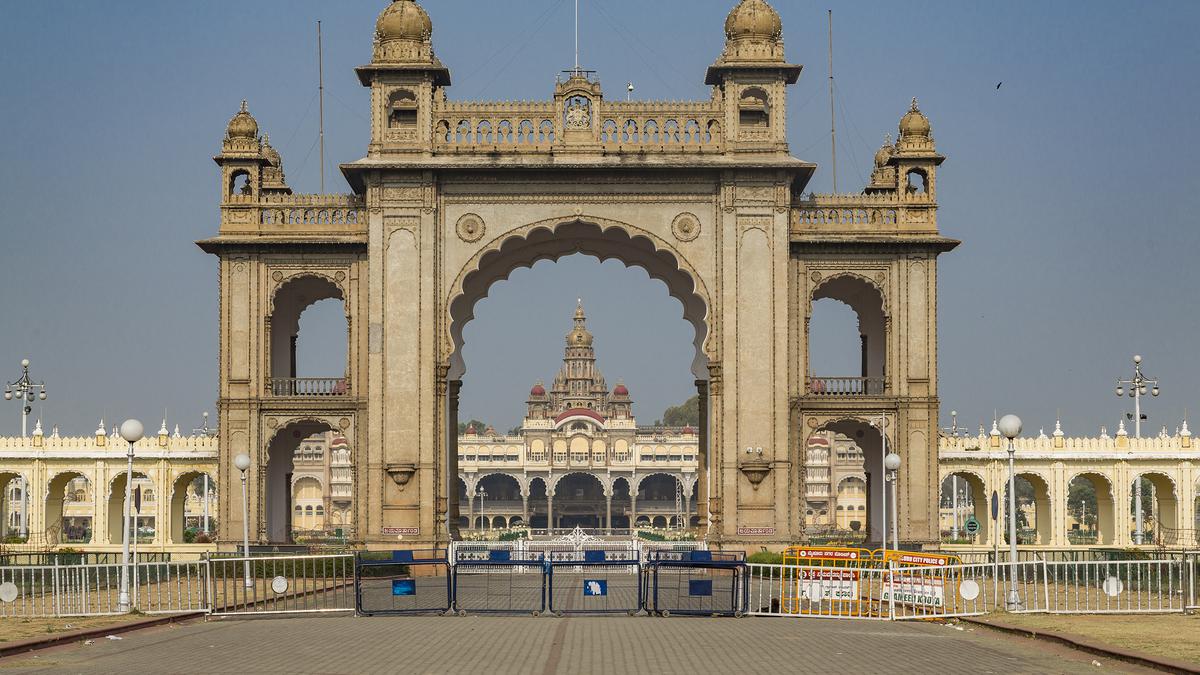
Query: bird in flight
{"type": "Point", "coordinates": [998, 84]}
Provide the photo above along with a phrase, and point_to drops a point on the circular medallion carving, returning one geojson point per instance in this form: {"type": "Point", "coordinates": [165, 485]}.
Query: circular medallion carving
{"type": "Point", "coordinates": [239, 267]}
{"type": "Point", "coordinates": [812, 423]}
{"type": "Point", "coordinates": [272, 422]}
{"type": "Point", "coordinates": [470, 228]}
{"type": "Point", "coordinates": [344, 423]}
{"type": "Point", "coordinates": [340, 276]}
{"type": "Point", "coordinates": [277, 276]}
{"type": "Point", "coordinates": [815, 276]}
{"type": "Point", "coordinates": [880, 277]}
{"type": "Point", "coordinates": [685, 227]}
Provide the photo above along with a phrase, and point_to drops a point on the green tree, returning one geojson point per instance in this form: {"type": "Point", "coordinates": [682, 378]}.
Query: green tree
{"type": "Point", "coordinates": [479, 426]}
{"type": "Point", "coordinates": [1081, 502]}
{"type": "Point", "coordinates": [685, 414]}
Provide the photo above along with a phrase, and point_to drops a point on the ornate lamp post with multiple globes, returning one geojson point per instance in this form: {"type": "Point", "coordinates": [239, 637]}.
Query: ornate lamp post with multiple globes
{"type": "Point", "coordinates": [26, 390]}
{"type": "Point", "coordinates": [1137, 389]}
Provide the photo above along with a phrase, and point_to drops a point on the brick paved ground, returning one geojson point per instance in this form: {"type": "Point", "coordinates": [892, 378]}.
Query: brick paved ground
{"type": "Point", "coordinates": [610, 645]}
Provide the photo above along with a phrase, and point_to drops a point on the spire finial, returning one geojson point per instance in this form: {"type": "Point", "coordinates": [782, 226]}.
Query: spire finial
{"type": "Point", "coordinates": [244, 105]}
{"type": "Point", "coordinates": [1058, 427]}
{"type": "Point", "coordinates": [1121, 429]}
{"type": "Point", "coordinates": [1183, 430]}
{"type": "Point", "coordinates": [162, 431]}
{"type": "Point", "coordinates": [100, 429]}
{"type": "Point", "coordinates": [37, 428]}
{"type": "Point", "coordinates": [914, 107]}
{"type": "Point", "coordinates": [177, 434]}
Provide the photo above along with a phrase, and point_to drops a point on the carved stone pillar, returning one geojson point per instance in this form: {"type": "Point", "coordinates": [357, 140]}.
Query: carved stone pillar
{"type": "Point", "coordinates": [702, 455]}
{"type": "Point", "coordinates": [608, 512]}
{"type": "Point", "coordinates": [549, 510]}
{"type": "Point", "coordinates": [632, 509]}
{"type": "Point", "coordinates": [525, 508]}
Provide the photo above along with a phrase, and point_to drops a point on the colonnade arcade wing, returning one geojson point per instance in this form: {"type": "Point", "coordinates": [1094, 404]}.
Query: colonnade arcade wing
{"type": "Point", "coordinates": [452, 196]}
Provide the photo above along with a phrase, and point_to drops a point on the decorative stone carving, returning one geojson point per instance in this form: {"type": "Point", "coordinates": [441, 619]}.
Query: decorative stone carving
{"type": "Point", "coordinates": [344, 423]}
{"type": "Point", "coordinates": [755, 471]}
{"type": "Point", "coordinates": [685, 227]}
{"type": "Point", "coordinates": [470, 228]}
{"type": "Point", "coordinates": [401, 473]}
{"type": "Point", "coordinates": [815, 276]}
{"type": "Point", "coordinates": [277, 276]}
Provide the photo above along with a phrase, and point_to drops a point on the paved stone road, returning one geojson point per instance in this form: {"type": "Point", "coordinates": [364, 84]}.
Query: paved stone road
{"type": "Point", "coordinates": [608, 645]}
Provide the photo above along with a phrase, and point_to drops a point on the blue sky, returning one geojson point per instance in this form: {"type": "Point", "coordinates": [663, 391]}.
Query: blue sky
{"type": "Point", "coordinates": [1073, 187]}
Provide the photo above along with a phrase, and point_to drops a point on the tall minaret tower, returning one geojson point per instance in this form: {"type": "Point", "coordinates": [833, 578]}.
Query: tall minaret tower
{"type": "Point", "coordinates": [579, 384]}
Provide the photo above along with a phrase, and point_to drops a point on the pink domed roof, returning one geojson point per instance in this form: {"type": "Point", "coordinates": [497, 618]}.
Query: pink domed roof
{"type": "Point", "coordinates": [339, 440]}
{"type": "Point", "coordinates": [585, 412]}
{"type": "Point", "coordinates": [538, 390]}
{"type": "Point", "coordinates": [620, 390]}
{"type": "Point", "coordinates": [688, 430]}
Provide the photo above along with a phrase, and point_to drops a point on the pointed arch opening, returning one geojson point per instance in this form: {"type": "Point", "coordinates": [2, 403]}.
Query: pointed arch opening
{"type": "Point", "coordinates": [313, 361]}
{"type": "Point", "coordinates": [861, 333]}
{"type": "Point", "coordinates": [288, 463]}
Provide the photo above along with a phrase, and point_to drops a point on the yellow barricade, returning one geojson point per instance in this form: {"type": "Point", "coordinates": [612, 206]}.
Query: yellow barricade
{"type": "Point", "coordinates": [837, 580]}
{"type": "Point", "coordinates": [920, 591]}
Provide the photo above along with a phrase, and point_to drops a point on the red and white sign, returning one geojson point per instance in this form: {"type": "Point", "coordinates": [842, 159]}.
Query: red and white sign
{"type": "Point", "coordinates": [827, 584]}
{"type": "Point", "coordinates": [400, 531]}
{"type": "Point", "coordinates": [919, 590]}
{"type": "Point", "coordinates": [825, 553]}
{"type": "Point", "coordinates": [755, 531]}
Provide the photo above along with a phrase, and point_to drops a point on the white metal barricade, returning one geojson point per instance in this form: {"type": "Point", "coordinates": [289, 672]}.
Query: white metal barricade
{"type": "Point", "coordinates": [281, 584]}
{"type": "Point", "coordinates": [94, 590]}
{"type": "Point", "coordinates": [1118, 586]}
{"type": "Point", "coordinates": [816, 592]}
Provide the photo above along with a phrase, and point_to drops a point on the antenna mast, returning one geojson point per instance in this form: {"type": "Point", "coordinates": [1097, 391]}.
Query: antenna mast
{"type": "Point", "coordinates": [321, 96]}
{"type": "Point", "coordinates": [576, 35]}
{"type": "Point", "coordinates": [832, 116]}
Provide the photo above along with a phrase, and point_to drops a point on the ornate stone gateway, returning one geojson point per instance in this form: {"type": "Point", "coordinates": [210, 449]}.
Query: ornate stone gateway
{"type": "Point", "coordinates": [451, 197]}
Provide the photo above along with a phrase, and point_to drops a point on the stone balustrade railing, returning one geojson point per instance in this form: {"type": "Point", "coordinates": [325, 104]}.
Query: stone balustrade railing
{"type": "Point", "coordinates": [1178, 444]}
{"type": "Point", "coordinates": [33, 446]}
{"type": "Point", "coordinates": [865, 212]}
{"type": "Point", "coordinates": [618, 126]}
{"type": "Point", "coordinates": [294, 214]}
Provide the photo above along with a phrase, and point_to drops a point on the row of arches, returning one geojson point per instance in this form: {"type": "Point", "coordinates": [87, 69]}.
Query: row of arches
{"type": "Point", "coordinates": [578, 499]}
{"type": "Point", "coordinates": [1090, 514]}
{"type": "Point", "coordinates": [72, 514]}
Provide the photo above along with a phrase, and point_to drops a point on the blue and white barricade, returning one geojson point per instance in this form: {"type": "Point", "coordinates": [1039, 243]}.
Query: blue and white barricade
{"type": "Point", "coordinates": [409, 582]}
{"type": "Point", "coordinates": [707, 583]}
{"type": "Point", "coordinates": [595, 582]}
{"type": "Point", "coordinates": [500, 583]}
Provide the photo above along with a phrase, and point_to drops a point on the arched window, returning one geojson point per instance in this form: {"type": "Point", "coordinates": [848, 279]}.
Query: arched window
{"type": "Point", "coordinates": [239, 183]}
{"type": "Point", "coordinates": [754, 108]}
{"type": "Point", "coordinates": [299, 509]}
{"type": "Point", "coordinates": [402, 109]}
{"type": "Point", "coordinates": [320, 510]}
{"type": "Point", "coordinates": [918, 181]}
{"type": "Point", "coordinates": [308, 510]}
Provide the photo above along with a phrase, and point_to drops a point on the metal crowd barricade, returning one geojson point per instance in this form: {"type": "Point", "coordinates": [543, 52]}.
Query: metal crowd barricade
{"type": "Point", "coordinates": [293, 584]}
{"type": "Point", "coordinates": [500, 584]}
{"type": "Point", "coordinates": [407, 582]}
{"type": "Point", "coordinates": [590, 581]}
{"type": "Point", "coordinates": [704, 583]}
{"type": "Point", "coordinates": [830, 592]}
{"type": "Point", "coordinates": [94, 590]}
{"type": "Point", "coordinates": [1118, 587]}
{"type": "Point", "coordinates": [481, 550]}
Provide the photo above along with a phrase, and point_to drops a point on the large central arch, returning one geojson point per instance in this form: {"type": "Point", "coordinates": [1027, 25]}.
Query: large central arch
{"type": "Point", "coordinates": [557, 238]}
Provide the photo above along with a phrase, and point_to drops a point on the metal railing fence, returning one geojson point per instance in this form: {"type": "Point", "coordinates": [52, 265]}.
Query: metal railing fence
{"type": "Point", "coordinates": [94, 590]}
{"type": "Point", "coordinates": [282, 584]}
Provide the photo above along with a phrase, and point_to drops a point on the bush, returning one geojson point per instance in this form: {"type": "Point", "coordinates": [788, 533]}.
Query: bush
{"type": "Point", "coordinates": [765, 558]}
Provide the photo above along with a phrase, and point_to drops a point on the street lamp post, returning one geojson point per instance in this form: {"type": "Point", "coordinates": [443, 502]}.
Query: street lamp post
{"type": "Point", "coordinates": [25, 389]}
{"type": "Point", "coordinates": [891, 464]}
{"type": "Point", "coordinates": [482, 494]}
{"type": "Point", "coordinates": [132, 432]}
{"type": "Point", "coordinates": [242, 463]}
{"type": "Point", "coordinates": [881, 423]}
{"type": "Point", "coordinates": [1137, 389]}
{"type": "Point", "coordinates": [1010, 426]}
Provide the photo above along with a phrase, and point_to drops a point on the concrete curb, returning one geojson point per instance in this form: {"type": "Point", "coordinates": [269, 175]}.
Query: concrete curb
{"type": "Point", "coordinates": [26, 646]}
{"type": "Point", "coordinates": [1082, 644]}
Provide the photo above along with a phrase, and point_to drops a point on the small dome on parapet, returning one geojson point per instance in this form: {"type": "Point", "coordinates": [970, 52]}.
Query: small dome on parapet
{"type": "Point", "coordinates": [537, 390]}
{"type": "Point", "coordinates": [753, 19]}
{"type": "Point", "coordinates": [243, 125]}
{"type": "Point", "coordinates": [914, 123]}
{"type": "Point", "coordinates": [403, 20]}
{"type": "Point", "coordinates": [885, 152]}
{"type": "Point", "coordinates": [620, 390]}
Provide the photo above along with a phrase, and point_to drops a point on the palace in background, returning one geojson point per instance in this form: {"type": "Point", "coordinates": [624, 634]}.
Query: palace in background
{"type": "Point", "coordinates": [580, 459]}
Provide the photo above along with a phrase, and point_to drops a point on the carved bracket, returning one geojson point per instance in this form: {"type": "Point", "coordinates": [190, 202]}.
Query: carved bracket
{"type": "Point", "coordinates": [755, 470]}
{"type": "Point", "coordinates": [401, 473]}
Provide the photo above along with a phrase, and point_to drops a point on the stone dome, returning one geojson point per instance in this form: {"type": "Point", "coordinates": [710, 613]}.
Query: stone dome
{"type": "Point", "coordinates": [243, 125]}
{"type": "Point", "coordinates": [753, 19]}
{"type": "Point", "coordinates": [537, 390]}
{"type": "Point", "coordinates": [620, 390]}
{"type": "Point", "coordinates": [914, 122]}
{"type": "Point", "coordinates": [885, 153]}
{"type": "Point", "coordinates": [580, 337]}
{"type": "Point", "coordinates": [403, 20]}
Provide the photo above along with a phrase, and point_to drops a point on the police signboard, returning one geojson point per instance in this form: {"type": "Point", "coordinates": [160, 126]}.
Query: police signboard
{"type": "Point", "coordinates": [595, 588]}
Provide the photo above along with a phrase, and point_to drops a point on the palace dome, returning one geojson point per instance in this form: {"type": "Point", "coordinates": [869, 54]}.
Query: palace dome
{"type": "Point", "coordinates": [914, 122]}
{"type": "Point", "coordinates": [538, 390]}
{"type": "Point", "coordinates": [403, 20]}
{"type": "Point", "coordinates": [620, 390]}
{"type": "Point", "coordinates": [243, 125]}
{"type": "Point", "coordinates": [885, 153]}
{"type": "Point", "coordinates": [753, 19]}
